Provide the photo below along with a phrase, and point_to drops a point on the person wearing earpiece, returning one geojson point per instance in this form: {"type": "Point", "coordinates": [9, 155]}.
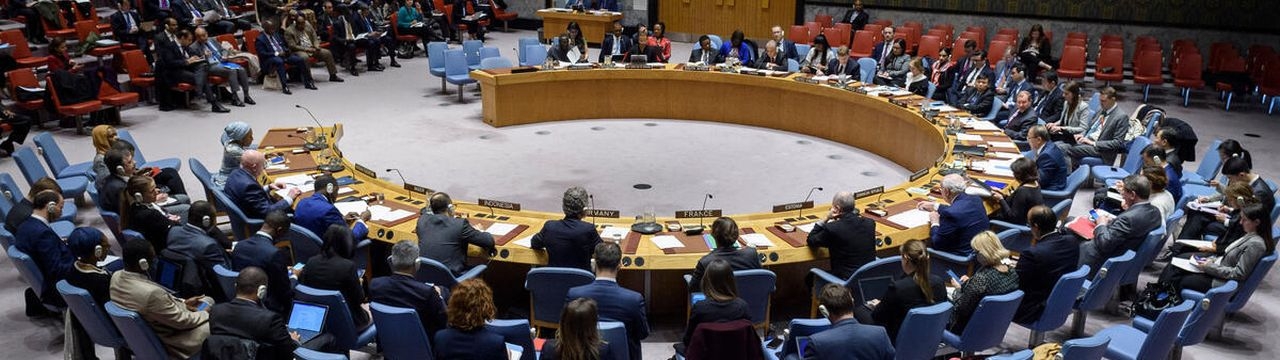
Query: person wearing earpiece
{"type": "Point", "coordinates": [401, 289]}
{"type": "Point", "coordinates": [245, 318]}
{"type": "Point", "coordinates": [236, 138]}
{"type": "Point", "coordinates": [951, 227]}
{"type": "Point", "coordinates": [725, 232]}
{"type": "Point", "coordinates": [317, 212]}
{"type": "Point", "coordinates": [333, 269]}
{"type": "Point", "coordinates": [179, 323]}
{"type": "Point", "coordinates": [22, 206]}
{"type": "Point", "coordinates": [121, 162]}
{"type": "Point", "coordinates": [141, 213]}
{"type": "Point", "coordinates": [722, 303]}
{"type": "Point", "coordinates": [849, 237]}
{"type": "Point", "coordinates": [260, 251]}
{"type": "Point", "coordinates": [569, 242]}
{"type": "Point", "coordinates": [249, 194]}
{"type": "Point", "coordinates": [616, 303]}
{"type": "Point", "coordinates": [444, 237]}
{"type": "Point", "coordinates": [50, 253]}
{"type": "Point", "coordinates": [191, 240]}
{"type": "Point", "coordinates": [914, 287]}
{"type": "Point", "coordinates": [89, 246]}
{"type": "Point", "coordinates": [103, 137]}
{"type": "Point", "coordinates": [846, 339]}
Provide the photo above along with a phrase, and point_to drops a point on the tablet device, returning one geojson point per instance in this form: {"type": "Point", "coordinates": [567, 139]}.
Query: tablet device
{"type": "Point", "coordinates": [307, 320]}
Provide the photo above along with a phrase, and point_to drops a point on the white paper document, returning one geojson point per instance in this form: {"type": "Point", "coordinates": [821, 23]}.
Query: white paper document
{"type": "Point", "coordinates": [614, 232]}
{"type": "Point", "coordinates": [910, 218]}
{"type": "Point", "coordinates": [526, 241]}
{"type": "Point", "coordinates": [968, 137]}
{"type": "Point", "coordinates": [108, 260]}
{"type": "Point", "coordinates": [1185, 264]}
{"type": "Point", "coordinates": [296, 180]}
{"type": "Point", "coordinates": [1003, 144]}
{"type": "Point", "coordinates": [757, 240]}
{"type": "Point", "coordinates": [500, 229]}
{"type": "Point", "coordinates": [383, 213]}
{"type": "Point", "coordinates": [347, 207]}
{"type": "Point", "coordinates": [284, 193]}
{"type": "Point", "coordinates": [666, 242]}
{"type": "Point", "coordinates": [1006, 156]}
{"type": "Point", "coordinates": [807, 227]}
{"type": "Point", "coordinates": [1195, 243]}
{"type": "Point", "coordinates": [983, 125]}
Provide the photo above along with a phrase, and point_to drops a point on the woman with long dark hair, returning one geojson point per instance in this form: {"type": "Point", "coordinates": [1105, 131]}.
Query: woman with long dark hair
{"type": "Point", "coordinates": [578, 337]}
{"type": "Point", "coordinates": [721, 304]}
{"type": "Point", "coordinates": [1235, 263]}
{"type": "Point", "coordinates": [1075, 114]}
{"type": "Point", "coordinates": [143, 215]}
{"type": "Point", "coordinates": [333, 269]}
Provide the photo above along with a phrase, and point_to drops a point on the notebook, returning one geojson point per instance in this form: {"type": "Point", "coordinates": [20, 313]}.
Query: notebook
{"type": "Point", "coordinates": [307, 320]}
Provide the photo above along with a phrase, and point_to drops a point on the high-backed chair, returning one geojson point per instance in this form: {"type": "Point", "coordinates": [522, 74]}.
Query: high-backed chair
{"type": "Point", "coordinates": [923, 325]}
{"type": "Point", "coordinates": [615, 336]}
{"type": "Point", "coordinates": [455, 70]}
{"type": "Point", "coordinates": [338, 321]}
{"type": "Point", "coordinates": [797, 327]}
{"type": "Point", "coordinates": [1212, 307]}
{"type": "Point", "coordinates": [303, 243]}
{"type": "Point", "coordinates": [29, 272]}
{"type": "Point", "coordinates": [1132, 162]}
{"type": "Point", "coordinates": [75, 111]}
{"type": "Point", "coordinates": [1147, 68]}
{"type": "Point", "coordinates": [409, 338]}
{"type": "Point", "coordinates": [1074, 181]}
{"type": "Point", "coordinates": [242, 226]}
{"type": "Point", "coordinates": [226, 280]}
{"type": "Point", "coordinates": [22, 50]}
{"type": "Point", "coordinates": [1056, 308]}
{"type": "Point", "coordinates": [1187, 75]}
{"type": "Point", "coordinates": [756, 286]}
{"type": "Point", "coordinates": [941, 261]}
{"type": "Point", "coordinates": [879, 268]}
{"type": "Point", "coordinates": [1072, 64]}
{"type": "Point", "coordinates": [987, 326]}
{"type": "Point", "coordinates": [166, 163]}
{"type": "Point", "coordinates": [435, 62]}
{"type": "Point", "coordinates": [95, 322]}
{"type": "Point", "coordinates": [72, 188]}
{"type": "Point", "coordinates": [1110, 66]}
{"type": "Point", "coordinates": [1243, 293]}
{"type": "Point", "coordinates": [142, 341]}
{"type": "Point", "coordinates": [548, 287]}
{"type": "Point", "coordinates": [57, 161]}
{"type": "Point", "coordinates": [521, 43]}
{"type": "Point", "coordinates": [1146, 254]}
{"type": "Point", "coordinates": [1090, 348]}
{"type": "Point", "coordinates": [9, 189]}
{"type": "Point", "coordinates": [866, 70]}
{"type": "Point", "coordinates": [434, 272]}
{"type": "Point", "coordinates": [471, 50]}
{"type": "Point", "coordinates": [1210, 165]}
{"type": "Point", "coordinates": [1098, 291]}
{"type": "Point", "coordinates": [515, 332]}
{"type": "Point", "coordinates": [1130, 343]}
{"type": "Point", "coordinates": [534, 55]}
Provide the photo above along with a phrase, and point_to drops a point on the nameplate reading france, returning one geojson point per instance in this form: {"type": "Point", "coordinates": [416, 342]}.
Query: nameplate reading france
{"type": "Point", "coordinates": [366, 171]}
{"type": "Point", "coordinates": [499, 204]}
{"type": "Point", "coordinates": [417, 189]}
{"type": "Point", "coordinates": [694, 214]}
{"type": "Point", "coordinates": [919, 174]}
{"type": "Point", "coordinates": [869, 192]}
{"type": "Point", "coordinates": [793, 206]}
{"type": "Point", "coordinates": [612, 214]}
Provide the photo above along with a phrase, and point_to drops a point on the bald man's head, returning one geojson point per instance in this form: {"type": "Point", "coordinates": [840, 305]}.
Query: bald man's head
{"type": "Point", "coordinates": [253, 161]}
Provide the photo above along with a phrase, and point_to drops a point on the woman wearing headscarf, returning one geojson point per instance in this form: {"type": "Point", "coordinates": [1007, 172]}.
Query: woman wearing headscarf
{"type": "Point", "coordinates": [236, 138]}
{"type": "Point", "coordinates": [103, 137]}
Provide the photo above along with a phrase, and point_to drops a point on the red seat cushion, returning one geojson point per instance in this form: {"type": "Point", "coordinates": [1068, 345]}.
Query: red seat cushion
{"type": "Point", "coordinates": [1222, 86]}
{"type": "Point", "coordinates": [129, 46]}
{"type": "Point", "coordinates": [406, 38]}
{"type": "Point", "coordinates": [119, 99]}
{"type": "Point", "coordinates": [5, 128]}
{"type": "Point", "coordinates": [217, 80]}
{"type": "Point", "coordinates": [104, 51]}
{"type": "Point", "coordinates": [506, 16]}
{"type": "Point", "coordinates": [184, 87]}
{"type": "Point", "coordinates": [142, 81]}
{"type": "Point", "coordinates": [1188, 83]}
{"type": "Point", "coordinates": [1152, 80]}
{"type": "Point", "coordinates": [30, 105]}
{"type": "Point", "coordinates": [83, 108]}
{"type": "Point", "coordinates": [32, 61]}
{"type": "Point", "coordinates": [66, 33]}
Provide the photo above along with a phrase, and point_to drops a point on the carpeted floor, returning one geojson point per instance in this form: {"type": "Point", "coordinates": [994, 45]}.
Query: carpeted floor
{"type": "Point", "coordinates": [397, 119]}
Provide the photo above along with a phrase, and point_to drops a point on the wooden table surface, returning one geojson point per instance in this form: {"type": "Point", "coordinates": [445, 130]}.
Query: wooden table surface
{"type": "Point", "coordinates": [594, 24]}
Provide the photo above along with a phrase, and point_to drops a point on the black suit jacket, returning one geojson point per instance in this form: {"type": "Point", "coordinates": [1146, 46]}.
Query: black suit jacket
{"type": "Point", "coordinates": [404, 291]}
{"type": "Point", "coordinates": [337, 274]}
{"type": "Point", "coordinates": [850, 68]}
{"type": "Point", "coordinates": [779, 62]}
{"type": "Point", "coordinates": [696, 56]}
{"type": "Point", "coordinates": [260, 251]}
{"type": "Point", "coordinates": [606, 46]}
{"type": "Point", "coordinates": [1017, 127]}
{"type": "Point", "coordinates": [851, 241]}
{"type": "Point", "coordinates": [978, 104]}
{"type": "Point", "coordinates": [618, 304]}
{"type": "Point", "coordinates": [1126, 232]}
{"type": "Point", "coordinates": [1040, 267]}
{"type": "Point", "coordinates": [858, 21]}
{"type": "Point", "coordinates": [109, 190]}
{"type": "Point", "coordinates": [153, 225]}
{"type": "Point", "coordinates": [1049, 108]}
{"type": "Point", "coordinates": [739, 259]}
{"type": "Point", "coordinates": [902, 296]}
{"type": "Point", "coordinates": [118, 24]}
{"type": "Point", "coordinates": [651, 53]}
{"type": "Point", "coordinates": [445, 239]}
{"type": "Point", "coordinates": [248, 320]}
{"type": "Point", "coordinates": [569, 242]}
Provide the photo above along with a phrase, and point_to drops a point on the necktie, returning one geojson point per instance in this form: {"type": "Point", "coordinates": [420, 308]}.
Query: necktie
{"type": "Point", "coordinates": [1097, 130]}
{"type": "Point", "coordinates": [213, 51]}
{"type": "Point", "coordinates": [617, 43]}
{"type": "Point", "coordinates": [275, 48]}
{"type": "Point", "coordinates": [346, 25]}
{"type": "Point", "coordinates": [1012, 118]}
{"type": "Point", "coordinates": [840, 69]}
{"type": "Point", "coordinates": [128, 20]}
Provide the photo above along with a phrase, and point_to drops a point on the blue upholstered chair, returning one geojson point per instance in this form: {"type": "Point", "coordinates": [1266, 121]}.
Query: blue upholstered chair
{"type": "Point", "coordinates": [72, 188]}
{"type": "Point", "coordinates": [242, 226]}
{"type": "Point", "coordinates": [521, 45]}
{"type": "Point", "coordinates": [141, 161]}
{"type": "Point", "coordinates": [1212, 307]}
{"type": "Point", "coordinates": [797, 327]}
{"type": "Point", "coordinates": [302, 353]}
{"type": "Point", "coordinates": [1098, 292]}
{"type": "Point", "coordinates": [1090, 348]}
{"type": "Point", "coordinates": [471, 50]}
{"type": "Point", "coordinates": [923, 326]}
{"type": "Point", "coordinates": [987, 326]}
{"type": "Point", "coordinates": [435, 62]}
{"type": "Point", "coordinates": [434, 272]}
{"type": "Point", "coordinates": [715, 41]}
{"type": "Point", "coordinates": [803, 50]}
{"type": "Point", "coordinates": [495, 63]}
{"type": "Point", "coordinates": [1130, 343]}
{"type": "Point", "coordinates": [456, 71]}
{"type": "Point", "coordinates": [615, 335]}
{"type": "Point", "coordinates": [226, 280]}
{"type": "Point", "coordinates": [303, 243]}
{"type": "Point", "coordinates": [1146, 254]}
{"type": "Point", "coordinates": [866, 70]}
{"type": "Point", "coordinates": [29, 272]}
{"type": "Point", "coordinates": [515, 332]}
{"type": "Point", "coordinates": [57, 161]}
{"type": "Point", "coordinates": [1132, 163]}
{"type": "Point", "coordinates": [548, 287]}
{"type": "Point", "coordinates": [1074, 181]}
{"type": "Point", "coordinates": [1210, 165]}
{"type": "Point", "coordinates": [1242, 294]}
{"type": "Point", "coordinates": [534, 55]}
{"type": "Point", "coordinates": [6, 239]}
{"type": "Point", "coordinates": [890, 266]}
{"type": "Point", "coordinates": [756, 286]}
{"type": "Point", "coordinates": [95, 322]}
{"type": "Point", "coordinates": [338, 321]}
{"type": "Point", "coordinates": [1014, 237]}
{"type": "Point", "coordinates": [13, 195]}
{"type": "Point", "coordinates": [941, 261]}
{"type": "Point", "coordinates": [1058, 305]}
{"type": "Point", "coordinates": [793, 65]}
{"type": "Point", "coordinates": [142, 341]}
{"type": "Point", "coordinates": [404, 337]}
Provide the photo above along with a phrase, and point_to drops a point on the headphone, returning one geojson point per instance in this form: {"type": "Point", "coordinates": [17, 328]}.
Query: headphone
{"type": "Point", "coordinates": [262, 292]}
{"type": "Point", "coordinates": [143, 264]}
{"type": "Point", "coordinates": [1156, 158]}
{"type": "Point", "coordinates": [120, 170]}
{"type": "Point", "coordinates": [823, 309]}
{"type": "Point", "coordinates": [137, 197]}
{"type": "Point", "coordinates": [99, 252]}
{"type": "Point", "coordinates": [330, 189]}
{"type": "Point", "coordinates": [206, 221]}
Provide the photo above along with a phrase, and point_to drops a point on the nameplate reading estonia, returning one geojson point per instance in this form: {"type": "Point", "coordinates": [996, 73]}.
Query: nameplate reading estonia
{"type": "Point", "coordinates": [693, 214]}
{"type": "Point", "coordinates": [499, 204]}
{"type": "Point", "coordinates": [417, 189]}
{"type": "Point", "coordinates": [792, 206]}
{"type": "Point", "coordinates": [919, 174]}
{"type": "Point", "coordinates": [613, 214]}
{"type": "Point", "coordinates": [868, 192]}
{"type": "Point", "coordinates": [366, 171]}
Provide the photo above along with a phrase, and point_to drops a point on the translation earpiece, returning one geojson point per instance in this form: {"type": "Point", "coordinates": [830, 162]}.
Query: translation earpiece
{"type": "Point", "coordinates": [99, 252]}
{"type": "Point", "coordinates": [262, 291]}
{"type": "Point", "coordinates": [206, 221]}
{"type": "Point", "coordinates": [143, 264]}
{"type": "Point", "coordinates": [120, 170]}
{"type": "Point", "coordinates": [50, 205]}
{"type": "Point", "coordinates": [330, 189]}
{"type": "Point", "coordinates": [137, 197]}
{"type": "Point", "coordinates": [823, 309]}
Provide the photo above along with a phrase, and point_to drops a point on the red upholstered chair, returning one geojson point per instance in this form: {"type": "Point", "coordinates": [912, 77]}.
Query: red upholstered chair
{"type": "Point", "coordinates": [997, 52]}
{"type": "Point", "coordinates": [1270, 87]}
{"type": "Point", "coordinates": [1188, 75]}
{"type": "Point", "coordinates": [1011, 39]}
{"type": "Point", "coordinates": [911, 36]}
{"type": "Point", "coordinates": [76, 111]}
{"type": "Point", "coordinates": [1112, 37]}
{"type": "Point", "coordinates": [115, 100]}
{"type": "Point", "coordinates": [929, 47]}
{"type": "Point", "coordinates": [64, 32]}
{"type": "Point", "coordinates": [862, 45]}
{"type": "Point", "coordinates": [883, 22]}
{"type": "Point", "coordinates": [21, 50]}
{"type": "Point", "coordinates": [913, 24]}
{"type": "Point", "coordinates": [846, 30]}
{"type": "Point", "coordinates": [1220, 52]}
{"type": "Point", "coordinates": [1072, 64]}
{"type": "Point", "coordinates": [815, 29]}
{"type": "Point", "coordinates": [1077, 35]}
{"type": "Point", "coordinates": [1008, 31]}
{"type": "Point", "coordinates": [943, 36]}
{"type": "Point", "coordinates": [825, 20]}
{"type": "Point", "coordinates": [1110, 59]}
{"type": "Point", "coordinates": [502, 15]}
{"type": "Point", "coordinates": [982, 31]}
{"type": "Point", "coordinates": [1226, 91]}
{"type": "Point", "coordinates": [26, 78]}
{"type": "Point", "coordinates": [83, 28]}
{"type": "Point", "coordinates": [876, 32]}
{"type": "Point", "coordinates": [140, 79]}
{"type": "Point", "coordinates": [957, 49]}
{"type": "Point", "coordinates": [404, 38]}
{"type": "Point", "coordinates": [799, 34]}
{"type": "Point", "coordinates": [1075, 42]}
{"type": "Point", "coordinates": [975, 36]}
{"type": "Point", "coordinates": [1147, 71]}
{"type": "Point", "coordinates": [835, 37]}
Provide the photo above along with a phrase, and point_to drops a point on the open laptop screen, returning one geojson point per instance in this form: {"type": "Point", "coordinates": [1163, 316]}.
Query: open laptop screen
{"type": "Point", "coordinates": [307, 316]}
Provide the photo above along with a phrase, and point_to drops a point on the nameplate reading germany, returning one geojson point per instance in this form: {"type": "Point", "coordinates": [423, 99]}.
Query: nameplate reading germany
{"type": "Point", "coordinates": [613, 214]}
{"type": "Point", "coordinates": [868, 192]}
{"type": "Point", "coordinates": [417, 189]}
{"type": "Point", "coordinates": [919, 174]}
{"type": "Point", "coordinates": [499, 204]}
{"type": "Point", "coordinates": [693, 214]}
{"type": "Point", "coordinates": [793, 206]}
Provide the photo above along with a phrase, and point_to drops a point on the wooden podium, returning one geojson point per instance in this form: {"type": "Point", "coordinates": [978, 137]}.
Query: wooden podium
{"type": "Point", "coordinates": [594, 24]}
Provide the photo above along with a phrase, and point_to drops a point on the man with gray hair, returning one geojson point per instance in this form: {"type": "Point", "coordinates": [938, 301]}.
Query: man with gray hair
{"type": "Point", "coordinates": [850, 238]}
{"type": "Point", "coordinates": [400, 289]}
{"type": "Point", "coordinates": [569, 242]}
{"type": "Point", "coordinates": [951, 227]}
{"type": "Point", "coordinates": [1115, 234]}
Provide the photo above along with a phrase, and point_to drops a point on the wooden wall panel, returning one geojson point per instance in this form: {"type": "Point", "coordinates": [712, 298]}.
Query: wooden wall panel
{"type": "Point", "coordinates": [722, 17]}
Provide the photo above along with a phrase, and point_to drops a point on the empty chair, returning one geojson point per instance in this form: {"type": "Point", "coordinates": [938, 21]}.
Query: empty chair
{"type": "Point", "coordinates": [793, 65]}
{"type": "Point", "coordinates": [142, 341]}
{"type": "Point", "coordinates": [338, 319]}
{"type": "Point", "coordinates": [1071, 65]}
{"type": "Point", "coordinates": [923, 325]}
{"type": "Point", "coordinates": [614, 334]}
{"type": "Point", "coordinates": [1132, 163]}
{"type": "Point", "coordinates": [862, 44]}
{"type": "Point", "coordinates": [1212, 308]}
{"type": "Point", "coordinates": [867, 70]}
{"type": "Point", "coordinates": [548, 287]}
{"type": "Point", "coordinates": [1129, 343]}
{"type": "Point", "coordinates": [435, 62]}
{"type": "Point", "coordinates": [798, 34]}
{"type": "Point", "coordinates": [756, 286]}
{"type": "Point", "coordinates": [455, 64]}
{"type": "Point", "coordinates": [989, 323]}
{"type": "Point", "coordinates": [1074, 181]}
{"type": "Point", "coordinates": [1147, 71]}
{"type": "Point", "coordinates": [95, 322]}
{"type": "Point", "coordinates": [434, 272]}
{"type": "Point", "coordinates": [226, 280]}
{"type": "Point", "coordinates": [1100, 289]}
{"type": "Point", "coordinates": [1090, 348]}
{"type": "Point", "coordinates": [472, 48]}
{"type": "Point", "coordinates": [1187, 76]}
{"type": "Point", "coordinates": [930, 45]}
{"type": "Point", "coordinates": [534, 55]}
{"type": "Point", "coordinates": [1058, 305]}
{"type": "Point", "coordinates": [797, 328]}
{"type": "Point", "coordinates": [30, 273]}
{"type": "Point", "coordinates": [303, 243]}
{"type": "Point", "coordinates": [823, 19]}
{"type": "Point", "coordinates": [495, 63]}
{"type": "Point", "coordinates": [515, 332]}
{"type": "Point", "coordinates": [521, 44]}
{"type": "Point", "coordinates": [409, 338]}
{"type": "Point", "coordinates": [166, 163]}
{"type": "Point", "coordinates": [879, 268]}
{"type": "Point", "coordinates": [1110, 67]}
{"type": "Point", "coordinates": [72, 188]}
{"type": "Point", "coordinates": [57, 161]}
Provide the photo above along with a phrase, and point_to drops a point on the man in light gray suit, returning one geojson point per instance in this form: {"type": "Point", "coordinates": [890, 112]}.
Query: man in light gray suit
{"type": "Point", "coordinates": [1115, 234]}
{"type": "Point", "coordinates": [1105, 135]}
{"type": "Point", "coordinates": [444, 238]}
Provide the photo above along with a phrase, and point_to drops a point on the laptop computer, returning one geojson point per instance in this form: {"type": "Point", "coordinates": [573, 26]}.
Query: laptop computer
{"type": "Point", "coordinates": [802, 345]}
{"type": "Point", "coordinates": [874, 287]}
{"type": "Point", "coordinates": [307, 320]}
{"type": "Point", "coordinates": [639, 59]}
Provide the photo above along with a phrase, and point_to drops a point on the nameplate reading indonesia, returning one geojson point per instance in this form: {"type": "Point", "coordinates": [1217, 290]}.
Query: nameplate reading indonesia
{"type": "Point", "coordinates": [499, 204]}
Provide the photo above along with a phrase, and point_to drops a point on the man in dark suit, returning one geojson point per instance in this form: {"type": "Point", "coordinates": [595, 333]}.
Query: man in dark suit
{"type": "Point", "coordinates": [846, 339]}
{"type": "Point", "coordinates": [50, 253]}
{"type": "Point", "coordinates": [1115, 234]}
{"type": "Point", "coordinates": [1014, 82]}
{"type": "Point", "coordinates": [121, 166]}
{"type": "Point", "coordinates": [1105, 135]}
{"type": "Point", "coordinates": [979, 99]}
{"type": "Point", "coordinates": [953, 227]}
{"type": "Point", "coordinates": [613, 301]}
{"type": "Point", "coordinates": [126, 26]}
{"type": "Point", "coordinates": [317, 212]}
{"type": "Point", "coordinates": [197, 64]}
{"type": "Point", "coordinates": [1049, 160]}
{"type": "Point", "coordinates": [156, 9]}
{"type": "Point", "coordinates": [171, 65]}
{"type": "Point", "coordinates": [843, 65]}
{"type": "Point", "coordinates": [771, 58]}
{"type": "Point", "coordinates": [857, 16]}
{"type": "Point", "coordinates": [273, 55]}
{"type": "Point", "coordinates": [245, 318]}
{"type": "Point", "coordinates": [614, 43]}
{"type": "Point", "coordinates": [705, 52]}
{"type": "Point", "coordinates": [786, 48]}
{"type": "Point", "coordinates": [251, 196]}
{"type": "Point", "coordinates": [1055, 252]}
{"type": "Point", "coordinates": [401, 289]}
{"type": "Point", "coordinates": [192, 241]}
{"type": "Point", "coordinates": [850, 238]}
{"type": "Point", "coordinates": [22, 206]}
{"type": "Point", "coordinates": [725, 231]}
{"type": "Point", "coordinates": [188, 15]}
{"type": "Point", "coordinates": [444, 238]}
{"type": "Point", "coordinates": [224, 20]}
{"type": "Point", "coordinates": [1022, 118]}
{"type": "Point", "coordinates": [883, 51]}
{"type": "Point", "coordinates": [373, 41]}
{"type": "Point", "coordinates": [1049, 106]}
{"type": "Point", "coordinates": [971, 65]}
{"type": "Point", "coordinates": [260, 251]}
{"type": "Point", "coordinates": [569, 242]}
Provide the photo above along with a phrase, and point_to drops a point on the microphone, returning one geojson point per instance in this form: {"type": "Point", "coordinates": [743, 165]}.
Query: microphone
{"type": "Point", "coordinates": [806, 199]}
{"type": "Point", "coordinates": [320, 140]}
{"type": "Point", "coordinates": [704, 208]}
{"type": "Point", "coordinates": [591, 199]}
{"type": "Point", "coordinates": [402, 180]}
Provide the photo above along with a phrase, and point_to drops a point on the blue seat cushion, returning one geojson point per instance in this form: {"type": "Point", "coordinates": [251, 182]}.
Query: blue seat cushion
{"type": "Point", "coordinates": [460, 79]}
{"type": "Point", "coordinates": [1108, 173]}
{"type": "Point", "coordinates": [437, 71]}
{"type": "Point", "coordinates": [81, 169]}
{"type": "Point", "coordinates": [68, 212]}
{"type": "Point", "coordinates": [170, 163]}
{"type": "Point", "coordinates": [1192, 178]}
{"type": "Point", "coordinates": [1126, 341]}
{"type": "Point", "coordinates": [1197, 190]}
{"type": "Point", "coordinates": [62, 228]}
{"type": "Point", "coordinates": [73, 187]}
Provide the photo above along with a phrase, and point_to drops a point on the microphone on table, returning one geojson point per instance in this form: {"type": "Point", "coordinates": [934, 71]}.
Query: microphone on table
{"type": "Point", "coordinates": [806, 199]}
{"type": "Point", "coordinates": [402, 180]}
{"type": "Point", "coordinates": [591, 199]}
{"type": "Point", "coordinates": [692, 230]}
{"type": "Point", "coordinates": [704, 207]}
{"type": "Point", "coordinates": [319, 143]}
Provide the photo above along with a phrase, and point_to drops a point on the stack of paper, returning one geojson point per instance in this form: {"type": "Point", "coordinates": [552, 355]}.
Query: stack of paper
{"type": "Point", "coordinates": [347, 207]}
{"type": "Point", "coordinates": [1195, 243]}
{"type": "Point", "coordinates": [947, 108]}
{"type": "Point", "coordinates": [910, 218]}
{"type": "Point", "coordinates": [283, 193]}
{"type": "Point", "coordinates": [807, 227]}
{"type": "Point", "coordinates": [666, 242]}
{"type": "Point", "coordinates": [614, 233]}
{"type": "Point", "coordinates": [383, 213]}
{"type": "Point", "coordinates": [757, 240]}
{"type": "Point", "coordinates": [1185, 264]}
{"type": "Point", "coordinates": [983, 125]}
{"type": "Point", "coordinates": [500, 229]}
{"type": "Point", "coordinates": [1006, 156]}
{"type": "Point", "coordinates": [968, 137]}
{"type": "Point", "coordinates": [526, 241]}
{"type": "Point", "coordinates": [296, 180]}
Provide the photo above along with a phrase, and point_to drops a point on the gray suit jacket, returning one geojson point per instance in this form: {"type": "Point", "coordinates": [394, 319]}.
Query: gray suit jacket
{"type": "Point", "coordinates": [444, 239]}
{"type": "Point", "coordinates": [1238, 261]}
{"type": "Point", "coordinates": [1126, 232]}
{"type": "Point", "coordinates": [196, 244]}
{"type": "Point", "coordinates": [1111, 140]}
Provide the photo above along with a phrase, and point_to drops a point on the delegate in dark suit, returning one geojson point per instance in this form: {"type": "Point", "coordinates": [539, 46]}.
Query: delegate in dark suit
{"type": "Point", "coordinates": [156, 9]}
{"type": "Point", "coordinates": [739, 259]}
{"type": "Point", "coordinates": [958, 223]}
{"type": "Point", "coordinates": [1107, 130]}
{"type": "Point", "coordinates": [109, 190]}
{"type": "Point", "coordinates": [172, 67]}
{"type": "Point", "coordinates": [606, 46]}
{"type": "Point", "coordinates": [569, 243]}
{"type": "Point", "coordinates": [1049, 106]}
{"type": "Point", "coordinates": [851, 241]}
{"type": "Point", "coordinates": [126, 26]}
{"type": "Point", "coordinates": [245, 191]}
{"type": "Point", "coordinates": [316, 213]}
{"type": "Point", "coordinates": [273, 55]}
{"type": "Point", "coordinates": [850, 68]}
{"type": "Point", "coordinates": [978, 103]}
{"type": "Point", "coordinates": [196, 244]}
{"type": "Point", "coordinates": [49, 252]}
{"type": "Point", "coordinates": [338, 274]}
{"type": "Point", "coordinates": [1053, 167]}
{"type": "Point", "coordinates": [709, 57]}
{"type": "Point", "coordinates": [404, 291]}
{"type": "Point", "coordinates": [1040, 267]}
{"type": "Point", "coordinates": [651, 53]}
{"type": "Point", "coordinates": [620, 304]}
{"type": "Point", "coordinates": [478, 344]}
{"type": "Point", "coordinates": [444, 239]}
{"type": "Point", "coordinates": [259, 250]}
{"type": "Point", "coordinates": [847, 339]}
{"type": "Point", "coordinates": [1126, 232]}
{"type": "Point", "coordinates": [856, 18]}
{"type": "Point", "coordinates": [248, 320]}
{"type": "Point", "coordinates": [775, 62]}
{"type": "Point", "coordinates": [787, 49]}
{"type": "Point", "coordinates": [1019, 123]}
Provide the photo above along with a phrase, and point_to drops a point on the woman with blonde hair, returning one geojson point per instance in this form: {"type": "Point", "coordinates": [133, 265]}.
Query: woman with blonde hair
{"type": "Point", "coordinates": [470, 307]}
{"type": "Point", "coordinates": [914, 288]}
{"type": "Point", "coordinates": [103, 137]}
{"type": "Point", "coordinates": [995, 277]}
